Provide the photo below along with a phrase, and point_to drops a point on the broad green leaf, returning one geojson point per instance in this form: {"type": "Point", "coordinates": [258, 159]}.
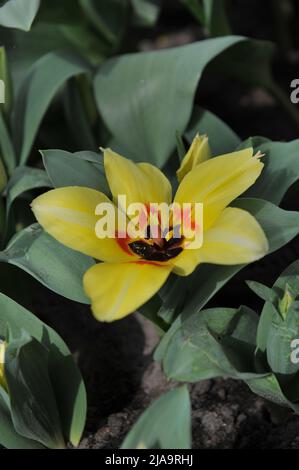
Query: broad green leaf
{"type": "Point", "coordinates": [196, 8]}
{"type": "Point", "coordinates": [280, 227]}
{"type": "Point", "coordinates": [19, 14]}
{"type": "Point", "coordinates": [6, 78]}
{"type": "Point", "coordinates": [215, 17]}
{"type": "Point", "coordinates": [7, 152]}
{"type": "Point", "coordinates": [262, 291]}
{"type": "Point", "coordinates": [146, 11]}
{"type": "Point", "coordinates": [9, 438]}
{"type": "Point", "coordinates": [280, 172]}
{"type": "Point", "coordinates": [166, 424]}
{"type": "Point", "coordinates": [268, 388]}
{"type": "Point", "coordinates": [75, 169]}
{"type": "Point", "coordinates": [65, 376]}
{"type": "Point", "coordinates": [54, 265]}
{"type": "Point", "coordinates": [139, 95]}
{"type": "Point", "coordinates": [32, 399]}
{"type": "Point", "coordinates": [279, 339]}
{"type": "Point", "coordinates": [109, 17]}
{"type": "Point", "coordinates": [215, 342]}
{"type": "Point", "coordinates": [221, 138]}
{"type": "Point", "coordinates": [24, 179]}
{"type": "Point", "coordinates": [77, 118]}
{"type": "Point", "coordinates": [34, 98]}
{"type": "Point", "coordinates": [254, 71]}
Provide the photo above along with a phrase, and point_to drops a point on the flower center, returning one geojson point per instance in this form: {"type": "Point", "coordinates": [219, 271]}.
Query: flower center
{"type": "Point", "coordinates": [163, 250]}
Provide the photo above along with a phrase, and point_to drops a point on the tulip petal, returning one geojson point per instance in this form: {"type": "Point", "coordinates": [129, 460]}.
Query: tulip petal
{"type": "Point", "coordinates": [236, 238]}
{"type": "Point", "coordinates": [118, 289]}
{"type": "Point", "coordinates": [198, 152]}
{"type": "Point", "coordinates": [218, 181]}
{"type": "Point", "coordinates": [140, 182]}
{"type": "Point", "coordinates": [68, 214]}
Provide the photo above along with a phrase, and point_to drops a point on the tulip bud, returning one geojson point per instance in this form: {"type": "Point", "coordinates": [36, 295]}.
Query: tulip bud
{"type": "Point", "coordinates": [198, 152]}
{"type": "Point", "coordinates": [286, 302]}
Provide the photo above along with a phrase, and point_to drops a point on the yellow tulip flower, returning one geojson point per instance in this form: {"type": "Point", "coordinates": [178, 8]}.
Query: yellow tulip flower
{"type": "Point", "coordinates": [131, 273]}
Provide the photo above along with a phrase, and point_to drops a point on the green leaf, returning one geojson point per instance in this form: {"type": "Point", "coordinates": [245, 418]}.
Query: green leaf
{"type": "Point", "coordinates": [6, 78]}
{"type": "Point", "coordinates": [34, 98]}
{"type": "Point", "coordinates": [196, 8]}
{"type": "Point", "coordinates": [279, 339]}
{"type": "Point", "coordinates": [109, 17]}
{"type": "Point", "coordinates": [65, 376]}
{"type": "Point", "coordinates": [146, 11]}
{"type": "Point", "coordinates": [215, 17]}
{"type": "Point", "coordinates": [77, 118]}
{"type": "Point", "coordinates": [32, 399]}
{"type": "Point", "coordinates": [75, 169]}
{"type": "Point", "coordinates": [9, 438]}
{"type": "Point", "coordinates": [24, 179]}
{"type": "Point", "coordinates": [268, 388]}
{"type": "Point", "coordinates": [139, 95]}
{"type": "Point", "coordinates": [166, 424]}
{"type": "Point", "coordinates": [57, 267]}
{"type": "Point", "coordinates": [264, 292]}
{"type": "Point", "coordinates": [280, 172]}
{"type": "Point", "coordinates": [280, 227]}
{"type": "Point", "coordinates": [7, 152]}
{"type": "Point", "coordinates": [217, 342]}
{"type": "Point", "coordinates": [221, 138]}
{"type": "Point", "coordinates": [19, 14]}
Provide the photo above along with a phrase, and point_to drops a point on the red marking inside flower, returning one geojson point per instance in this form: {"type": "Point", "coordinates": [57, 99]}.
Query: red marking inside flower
{"type": "Point", "coordinates": [123, 241]}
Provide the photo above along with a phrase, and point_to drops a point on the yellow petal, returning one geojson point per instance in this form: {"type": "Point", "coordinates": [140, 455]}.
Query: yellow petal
{"type": "Point", "coordinates": [117, 289]}
{"type": "Point", "coordinates": [198, 152]}
{"type": "Point", "coordinates": [140, 182]}
{"type": "Point", "coordinates": [218, 181]}
{"type": "Point", "coordinates": [186, 262]}
{"type": "Point", "coordinates": [68, 214]}
{"type": "Point", "coordinates": [236, 238]}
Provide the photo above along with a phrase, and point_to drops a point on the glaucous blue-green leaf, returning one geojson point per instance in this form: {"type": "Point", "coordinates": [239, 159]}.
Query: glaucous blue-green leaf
{"type": "Point", "coordinates": [215, 342]}
{"type": "Point", "coordinates": [280, 227]}
{"type": "Point", "coordinates": [32, 399]}
{"type": "Point", "coordinates": [215, 17]}
{"type": "Point", "coordinates": [19, 14]}
{"type": "Point", "coordinates": [262, 291]}
{"type": "Point", "coordinates": [196, 8]}
{"type": "Point", "coordinates": [289, 277]}
{"type": "Point", "coordinates": [146, 11]}
{"type": "Point", "coordinates": [24, 179]}
{"type": "Point", "coordinates": [7, 152]}
{"type": "Point", "coordinates": [109, 17]}
{"type": "Point", "coordinates": [34, 97]}
{"type": "Point", "coordinates": [54, 265]}
{"type": "Point", "coordinates": [6, 80]}
{"type": "Point", "coordinates": [222, 139]}
{"type": "Point", "coordinates": [77, 118]}
{"type": "Point", "coordinates": [75, 169]}
{"type": "Point", "coordinates": [268, 387]}
{"type": "Point", "coordinates": [65, 376]}
{"type": "Point", "coordinates": [166, 424]}
{"type": "Point", "coordinates": [9, 438]}
{"type": "Point", "coordinates": [280, 336]}
{"type": "Point", "coordinates": [139, 95]}
{"type": "Point", "coordinates": [281, 170]}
